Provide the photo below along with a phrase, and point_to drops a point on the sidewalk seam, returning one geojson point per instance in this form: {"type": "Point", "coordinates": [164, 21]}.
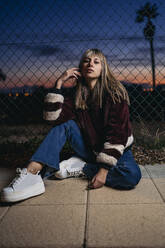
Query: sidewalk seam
{"type": "Point", "coordinates": [86, 220]}
{"type": "Point", "coordinates": [4, 214]}
{"type": "Point", "coordinates": [158, 190]}
{"type": "Point", "coordinates": [152, 179]}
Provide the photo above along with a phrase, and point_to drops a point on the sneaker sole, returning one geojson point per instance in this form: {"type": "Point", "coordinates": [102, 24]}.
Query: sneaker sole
{"type": "Point", "coordinates": [38, 189]}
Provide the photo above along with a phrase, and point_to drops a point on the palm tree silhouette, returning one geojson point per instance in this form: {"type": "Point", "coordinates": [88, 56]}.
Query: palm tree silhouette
{"type": "Point", "coordinates": [149, 12]}
{"type": "Point", "coordinates": [2, 75]}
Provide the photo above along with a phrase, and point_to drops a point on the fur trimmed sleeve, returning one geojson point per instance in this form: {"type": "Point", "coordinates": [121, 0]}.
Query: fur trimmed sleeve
{"type": "Point", "coordinates": [58, 109]}
{"type": "Point", "coordinates": [117, 133]}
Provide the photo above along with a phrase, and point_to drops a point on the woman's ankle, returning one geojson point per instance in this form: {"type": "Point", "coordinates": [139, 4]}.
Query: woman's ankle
{"type": "Point", "coordinates": [34, 167]}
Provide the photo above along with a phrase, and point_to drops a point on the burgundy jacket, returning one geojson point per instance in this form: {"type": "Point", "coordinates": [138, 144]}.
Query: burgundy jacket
{"type": "Point", "coordinates": [106, 131]}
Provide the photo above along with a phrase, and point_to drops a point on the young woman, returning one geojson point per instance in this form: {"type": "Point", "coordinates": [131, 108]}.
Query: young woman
{"type": "Point", "coordinates": [95, 121]}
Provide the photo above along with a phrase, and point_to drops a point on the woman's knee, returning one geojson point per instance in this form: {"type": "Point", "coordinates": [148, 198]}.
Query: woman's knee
{"type": "Point", "coordinates": [131, 180]}
{"type": "Point", "coordinates": [63, 126]}
{"type": "Point", "coordinates": [120, 180]}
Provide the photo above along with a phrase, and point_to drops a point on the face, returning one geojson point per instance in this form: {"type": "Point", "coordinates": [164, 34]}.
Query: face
{"type": "Point", "coordinates": [91, 67]}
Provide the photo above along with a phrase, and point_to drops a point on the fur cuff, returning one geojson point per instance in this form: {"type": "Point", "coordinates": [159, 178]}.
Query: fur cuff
{"type": "Point", "coordinates": [52, 115]}
{"type": "Point", "coordinates": [129, 141]}
{"type": "Point", "coordinates": [104, 158]}
{"type": "Point", "coordinates": [118, 147]}
{"type": "Point", "coordinates": [52, 98]}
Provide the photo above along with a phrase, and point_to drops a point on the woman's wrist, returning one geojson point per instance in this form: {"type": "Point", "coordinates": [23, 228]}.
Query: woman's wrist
{"type": "Point", "coordinates": [59, 84]}
{"type": "Point", "coordinates": [104, 171]}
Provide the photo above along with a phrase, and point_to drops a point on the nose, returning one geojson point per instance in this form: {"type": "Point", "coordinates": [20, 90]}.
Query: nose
{"type": "Point", "coordinates": [90, 64]}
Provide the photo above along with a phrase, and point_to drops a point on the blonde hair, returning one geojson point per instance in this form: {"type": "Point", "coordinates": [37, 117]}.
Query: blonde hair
{"type": "Point", "coordinates": [105, 83]}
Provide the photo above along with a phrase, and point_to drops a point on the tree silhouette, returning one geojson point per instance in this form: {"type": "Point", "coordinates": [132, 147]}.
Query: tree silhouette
{"type": "Point", "coordinates": [149, 12]}
{"type": "Point", "coordinates": [2, 75]}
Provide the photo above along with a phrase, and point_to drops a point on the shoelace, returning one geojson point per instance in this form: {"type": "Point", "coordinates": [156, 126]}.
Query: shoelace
{"type": "Point", "coordinates": [75, 173]}
{"type": "Point", "coordinates": [18, 178]}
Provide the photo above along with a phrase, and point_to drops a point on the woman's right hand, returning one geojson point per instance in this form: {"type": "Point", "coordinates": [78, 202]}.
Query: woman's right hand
{"type": "Point", "coordinates": [70, 73]}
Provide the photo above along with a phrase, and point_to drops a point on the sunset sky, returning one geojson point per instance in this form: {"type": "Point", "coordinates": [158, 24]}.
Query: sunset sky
{"type": "Point", "coordinates": [42, 38]}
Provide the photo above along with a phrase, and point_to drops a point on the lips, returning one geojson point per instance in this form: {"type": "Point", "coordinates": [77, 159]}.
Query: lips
{"type": "Point", "coordinates": [90, 70]}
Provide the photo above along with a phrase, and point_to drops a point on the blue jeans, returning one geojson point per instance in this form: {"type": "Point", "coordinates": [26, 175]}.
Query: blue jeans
{"type": "Point", "coordinates": [125, 175]}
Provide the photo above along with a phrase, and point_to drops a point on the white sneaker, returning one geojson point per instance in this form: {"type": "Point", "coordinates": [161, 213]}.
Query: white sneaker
{"type": "Point", "coordinates": [72, 167]}
{"type": "Point", "coordinates": [23, 186]}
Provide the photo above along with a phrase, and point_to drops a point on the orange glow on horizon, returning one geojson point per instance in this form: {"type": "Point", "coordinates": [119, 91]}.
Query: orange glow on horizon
{"type": "Point", "coordinates": [132, 76]}
{"type": "Point", "coordinates": [49, 84]}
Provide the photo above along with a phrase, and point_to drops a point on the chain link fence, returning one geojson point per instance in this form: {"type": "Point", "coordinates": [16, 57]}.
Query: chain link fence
{"type": "Point", "coordinates": [41, 39]}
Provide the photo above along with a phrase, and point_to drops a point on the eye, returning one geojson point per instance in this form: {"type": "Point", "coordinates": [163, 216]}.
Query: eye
{"type": "Point", "coordinates": [86, 61]}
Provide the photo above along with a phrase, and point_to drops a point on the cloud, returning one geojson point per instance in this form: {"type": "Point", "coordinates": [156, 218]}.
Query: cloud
{"type": "Point", "coordinates": [129, 60]}
{"type": "Point", "coordinates": [63, 53]}
{"type": "Point", "coordinates": [82, 36]}
{"type": "Point", "coordinates": [43, 50]}
{"type": "Point", "coordinates": [134, 61]}
{"type": "Point", "coordinates": [39, 49]}
{"type": "Point", "coordinates": [70, 37]}
{"type": "Point", "coordinates": [146, 50]}
{"type": "Point", "coordinates": [67, 47]}
{"type": "Point", "coordinates": [60, 53]}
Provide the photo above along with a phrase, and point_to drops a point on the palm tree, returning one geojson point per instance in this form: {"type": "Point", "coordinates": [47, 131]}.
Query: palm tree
{"type": "Point", "coordinates": [149, 12]}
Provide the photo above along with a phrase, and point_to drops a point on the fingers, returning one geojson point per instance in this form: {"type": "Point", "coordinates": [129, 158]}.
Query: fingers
{"type": "Point", "coordinates": [73, 72]}
{"type": "Point", "coordinates": [99, 179]}
{"type": "Point", "coordinates": [95, 184]}
{"type": "Point", "coordinates": [90, 186]}
{"type": "Point", "coordinates": [74, 69]}
{"type": "Point", "coordinates": [93, 179]}
{"type": "Point", "coordinates": [76, 74]}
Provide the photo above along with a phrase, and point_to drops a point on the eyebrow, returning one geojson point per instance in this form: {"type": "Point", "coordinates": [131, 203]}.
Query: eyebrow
{"type": "Point", "coordinates": [96, 58]}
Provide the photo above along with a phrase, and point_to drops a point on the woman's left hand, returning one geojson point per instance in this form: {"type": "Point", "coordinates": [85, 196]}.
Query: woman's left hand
{"type": "Point", "coordinates": [99, 179]}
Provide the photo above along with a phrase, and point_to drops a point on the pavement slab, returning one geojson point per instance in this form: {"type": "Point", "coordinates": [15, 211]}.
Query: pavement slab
{"type": "Point", "coordinates": [126, 226]}
{"type": "Point", "coordinates": [156, 171]}
{"type": "Point", "coordinates": [3, 211]}
{"type": "Point", "coordinates": [67, 215]}
{"type": "Point", "coordinates": [69, 191]}
{"type": "Point", "coordinates": [43, 226]}
{"type": "Point", "coordinates": [144, 172]}
{"type": "Point", "coordinates": [144, 192]}
{"type": "Point", "coordinates": [160, 185]}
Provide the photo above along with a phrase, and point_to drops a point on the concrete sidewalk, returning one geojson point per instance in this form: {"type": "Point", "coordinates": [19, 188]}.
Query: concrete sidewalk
{"type": "Point", "coordinates": [68, 215]}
